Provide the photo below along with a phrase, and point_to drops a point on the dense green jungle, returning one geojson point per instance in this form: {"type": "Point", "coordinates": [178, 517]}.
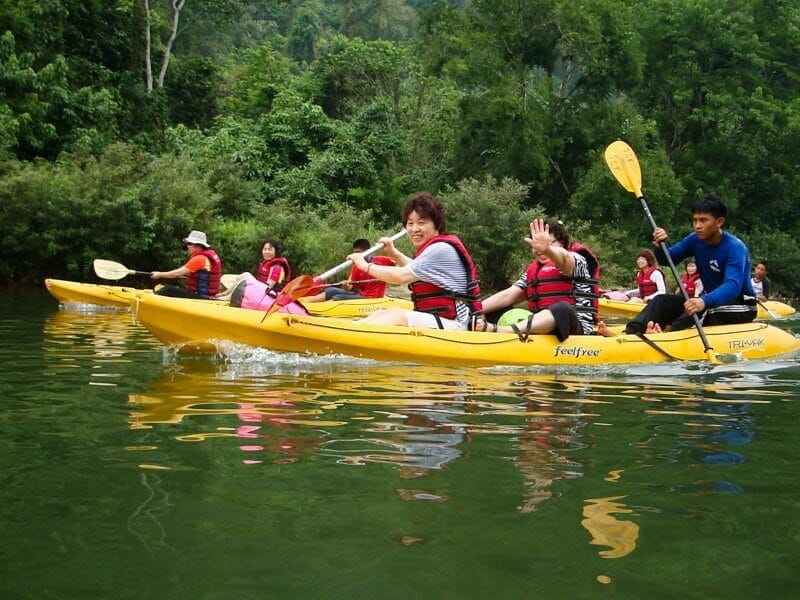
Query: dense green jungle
{"type": "Point", "coordinates": [125, 124]}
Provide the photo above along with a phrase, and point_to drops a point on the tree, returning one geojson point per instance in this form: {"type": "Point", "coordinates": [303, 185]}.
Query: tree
{"type": "Point", "coordinates": [722, 89]}
{"type": "Point", "coordinates": [349, 74]}
{"type": "Point", "coordinates": [162, 28]}
{"type": "Point", "coordinates": [378, 19]}
{"type": "Point", "coordinates": [536, 75]}
{"type": "Point", "coordinates": [489, 218]}
{"type": "Point", "coordinates": [303, 36]}
{"type": "Point", "coordinates": [177, 7]}
{"type": "Point", "coordinates": [194, 91]}
{"type": "Point", "coordinates": [44, 111]}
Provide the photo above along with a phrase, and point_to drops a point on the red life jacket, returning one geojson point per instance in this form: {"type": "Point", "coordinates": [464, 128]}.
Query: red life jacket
{"type": "Point", "coordinates": [647, 287]}
{"type": "Point", "coordinates": [547, 285]}
{"type": "Point", "coordinates": [265, 267]}
{"type": "Point", "coordinates": [430, 298]}
{"type": "Point", "coordinates": [206, 282]}
{"type": "Point", "coordinates": [374, 288]}
{"type": "Point", "coordinates": [690, 283]}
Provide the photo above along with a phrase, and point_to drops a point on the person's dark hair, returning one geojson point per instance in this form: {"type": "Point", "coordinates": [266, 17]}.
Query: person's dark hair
{"type": "Point", "coordinates": [558, 231]}
{"type": "Point", "coordinates": [426, 205]}
{"type": "Point", "coordinates": [361, 245]}
{"type": "Point", "coordinates": [648, 255]}
{"type": "Point", "coordinates": [711, 204]}
{"type": "Point", "coordinates": [762, 262]}
{"type": "Point", "coordinates": [274, 243]}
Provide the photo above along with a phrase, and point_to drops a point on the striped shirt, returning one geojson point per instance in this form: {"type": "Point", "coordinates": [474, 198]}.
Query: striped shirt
{"type": "Point", "coordinates": [584, 290]}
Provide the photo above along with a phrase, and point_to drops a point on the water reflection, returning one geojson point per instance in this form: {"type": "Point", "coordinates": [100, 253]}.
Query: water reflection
{"type": "Point", "coordinates": [354, 474]}
{"type": "Point", "coordinates": [144, 523]}
{"type": "Point", "coordinates": [553, 428]}
{"type": "Point", "coordinates": [102, 341]}
{"type": "Point", "coordinates": [545, 445]}
{"type": "Point", "coordinates": [416, 439]}
{"type": "Point", "coordinates": [704, 431]}
{"type": "Point", "coordinates": [618, 534]}
{"type": "Point", "coordinates": [417, 420]}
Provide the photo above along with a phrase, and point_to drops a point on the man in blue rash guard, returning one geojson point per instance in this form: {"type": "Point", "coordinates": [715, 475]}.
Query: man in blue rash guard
{"type": "Point", "coordinates": [724, 265]}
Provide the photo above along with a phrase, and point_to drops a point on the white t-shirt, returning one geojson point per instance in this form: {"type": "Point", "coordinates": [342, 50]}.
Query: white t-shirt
{"type": "Point", "coordinates": [758, 286]}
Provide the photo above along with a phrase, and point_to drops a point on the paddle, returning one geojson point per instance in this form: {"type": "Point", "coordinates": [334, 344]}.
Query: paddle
{"type": "Point", "coordinates": [228, 280]}
{"type": "Point", "coordinates": [768, 309]}
{"type": "Point", "coordinates": [302, 285]}
{"type": "Point", "coordinates": [356, 283]}
{"type": "Point", "coordinates": [347, 263]}
{"type": "Point", "coordinates": [108, 269]}
{"type": "Point", "coordinates": [623, 163]}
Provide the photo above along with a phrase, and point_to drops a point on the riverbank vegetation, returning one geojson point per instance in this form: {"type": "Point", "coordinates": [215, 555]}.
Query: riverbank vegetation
{"type": "Point", "coordinates": [123, 125]}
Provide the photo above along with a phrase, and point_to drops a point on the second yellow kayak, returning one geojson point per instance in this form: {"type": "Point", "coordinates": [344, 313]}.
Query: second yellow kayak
{"type": "Point", "coordinates": [770, 309]}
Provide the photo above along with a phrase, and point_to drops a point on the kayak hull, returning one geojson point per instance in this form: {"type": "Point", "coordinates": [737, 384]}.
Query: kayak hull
{"type": "Point", "coordinates": [91, 293]}
{"type": "Point", "coordinates": [204, 324]}
{"type": "Point", "coordinates": [770, 309]}
{"type": "Point", "coordinates": [120, 297]}
{"type": "Point", "coordinates": [354, 308]}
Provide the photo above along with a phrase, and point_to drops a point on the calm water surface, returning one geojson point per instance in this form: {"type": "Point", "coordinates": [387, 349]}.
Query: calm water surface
{"type": "Point", "coordinates": [132, 471]}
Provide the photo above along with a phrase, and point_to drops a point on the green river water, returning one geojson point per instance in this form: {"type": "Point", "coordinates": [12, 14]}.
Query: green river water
{"type": "Point", "coordinates": [132, 471]}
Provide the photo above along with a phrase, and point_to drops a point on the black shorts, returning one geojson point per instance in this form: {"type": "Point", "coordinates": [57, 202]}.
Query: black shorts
{"type": "Point", "coordinates": [667, 310]}
{"type": "Point", "coordinates": [176, 291]}
{"type": "Point", "coordinates": [567, 323]}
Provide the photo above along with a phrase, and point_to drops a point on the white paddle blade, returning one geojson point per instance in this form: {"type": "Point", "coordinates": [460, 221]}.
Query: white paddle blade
{"type": "Point", "coordinates": [229, 280]}
{"type": "Point", "coordinates": [108, 269]}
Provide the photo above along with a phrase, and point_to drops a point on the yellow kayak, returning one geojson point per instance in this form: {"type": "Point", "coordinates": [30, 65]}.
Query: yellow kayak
{"type": "Point", "coordinates": [353, 308]}
{"type": "Point", "coordinates": [91, 293]}
{"type": "Point", "coordinates": [770, 309]}
{"type": "Point", "coordinates": [120, 297]}
{"type": "Point", "coordinates": [202, 325]}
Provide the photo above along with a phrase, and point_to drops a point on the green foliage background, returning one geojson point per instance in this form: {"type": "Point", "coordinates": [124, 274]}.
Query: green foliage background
{"type": "Point", "coordinates": [312, 121]}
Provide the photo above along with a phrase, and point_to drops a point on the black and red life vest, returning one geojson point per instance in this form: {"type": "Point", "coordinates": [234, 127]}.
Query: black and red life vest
{"type": "Point", "coordinates": [206, 282]}
{"type": "Point", "coordinates": [431, 298]}
{"type": "Point", "coordinates": [647, 287]}
{"type": "Point", "coordinates": [265, 267]}
{"type": "Point", "coordinates": [547, 285]}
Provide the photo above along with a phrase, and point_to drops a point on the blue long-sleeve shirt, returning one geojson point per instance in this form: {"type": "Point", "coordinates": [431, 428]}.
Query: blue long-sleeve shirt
{"type": "Point", "coordinates": [724, 269]}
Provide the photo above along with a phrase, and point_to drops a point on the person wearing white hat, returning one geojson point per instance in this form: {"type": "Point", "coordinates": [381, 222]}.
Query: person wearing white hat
{"type": "Point", "coordinates": [203, 270]}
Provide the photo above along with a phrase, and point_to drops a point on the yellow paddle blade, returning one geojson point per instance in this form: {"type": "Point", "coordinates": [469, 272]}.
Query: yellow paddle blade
{"type": "Point", "coordinates": [623, 163]}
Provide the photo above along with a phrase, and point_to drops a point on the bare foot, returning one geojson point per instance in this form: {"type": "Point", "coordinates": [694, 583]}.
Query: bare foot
{"type": "Point", "coordinates": [653, 327]}
{"type": "Point", "coordinates": [603, 330]}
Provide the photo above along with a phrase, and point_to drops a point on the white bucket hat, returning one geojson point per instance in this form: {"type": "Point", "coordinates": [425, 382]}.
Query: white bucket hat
{"type": "Point", "coordinates": [196, 237]}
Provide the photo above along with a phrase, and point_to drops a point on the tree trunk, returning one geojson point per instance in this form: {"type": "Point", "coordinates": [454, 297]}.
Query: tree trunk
{"type": "Point", "coordinates": [148, 69]}
{"type": "Point", "coordinates": [177, 7]}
